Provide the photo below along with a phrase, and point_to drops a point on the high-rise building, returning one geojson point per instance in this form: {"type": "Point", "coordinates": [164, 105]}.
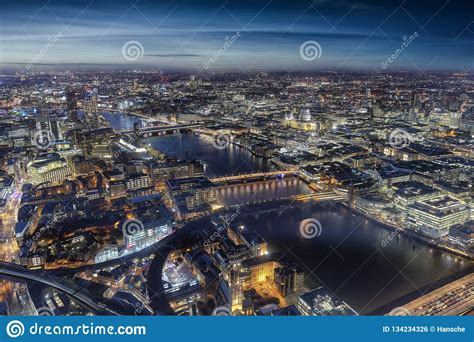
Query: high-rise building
{"type": "Point", "coordinates": [71, 104]}
{"type": "Point", "coordinates": [412, 116]}
{"type": "Point", "coordinates": [90, 107]}
{"type": "Point", "coordinates": [305, 115]}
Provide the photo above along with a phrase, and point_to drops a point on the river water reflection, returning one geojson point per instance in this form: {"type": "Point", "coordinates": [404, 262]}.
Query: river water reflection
{"type": "Point", "coordinates": [347, 257]}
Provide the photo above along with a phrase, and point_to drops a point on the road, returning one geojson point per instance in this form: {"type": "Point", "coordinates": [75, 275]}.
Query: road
{"type": "Point", "coordinates": [21, 273]}
{"type": "Point", "coordinates": [455, 298]}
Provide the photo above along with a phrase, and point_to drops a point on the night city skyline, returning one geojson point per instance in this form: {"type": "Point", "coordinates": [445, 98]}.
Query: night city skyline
{"type": "Point", "coordinates": [237, 158]}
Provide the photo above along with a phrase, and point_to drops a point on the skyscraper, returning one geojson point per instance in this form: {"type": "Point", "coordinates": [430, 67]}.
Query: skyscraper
{"type": "Point", "coordinates": [71, 104]}
{"type": "Point", "coordinates": [412, 116]}
{"type": "Point", "coordinates": [91, 109]}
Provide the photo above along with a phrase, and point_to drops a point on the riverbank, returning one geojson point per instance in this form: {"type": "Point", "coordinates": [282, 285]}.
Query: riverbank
{"type": "Point", "coordinates": [413, 235]}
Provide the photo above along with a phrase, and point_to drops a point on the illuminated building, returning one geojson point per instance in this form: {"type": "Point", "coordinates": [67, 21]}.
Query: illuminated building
{"type": "Point", "coordinates": [52, 169]}
{"type": "Point", "coordinates": [304, 120]}
{"type": "Point", "coordinates": [462, 235]}
{"type": "Point", "coordinates": [252, 240]}
{"type": "Point", "coordinates": [151, 233]}
{"type": "Point", "coordinates": [272, 269]}
{"type": "Point", "coordinates": [91, 109]}
{"type": "Point", "coordinates": [378, 206]}
{"type": "Point", "coordinates": [320, 302]}
{"type": "Point", "coordinates": [434, 217]}
{"type": "Point", "coordinates": [191, 194]}
{"type": "Point", "coordinates": [130, 150]}
{"type": "Point", "coordinates": [7, 187]}
{"type": "Point", "coordinates": [171, 169]}
{"type": "Point", "coordinates": [115, 183]}
{"type": "Point", "coordinates": [135, 182]}
{"type": "Point", "coordinates": [71, 104]}
{"type": "Point", "coordinates": [405, 193]}
{"type": "Point", "coordinates": [47, 123]}
{"type": "Point", "coordinates": [27, 218]}
{"type": "Point", "coordinates": [305, 115]}
{"type": "Point", "coordinates": [288, 280]}
{"type": "Point", "coordinates": [107, 252]}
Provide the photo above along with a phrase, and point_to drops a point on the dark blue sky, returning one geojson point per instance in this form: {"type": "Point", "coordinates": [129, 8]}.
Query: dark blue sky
{"type": "Point", "coordinates": [352, 35]}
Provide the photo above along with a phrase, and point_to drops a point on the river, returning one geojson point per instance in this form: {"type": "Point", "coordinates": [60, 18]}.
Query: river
{"type": "Point", "coordinates": [347, 257]}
